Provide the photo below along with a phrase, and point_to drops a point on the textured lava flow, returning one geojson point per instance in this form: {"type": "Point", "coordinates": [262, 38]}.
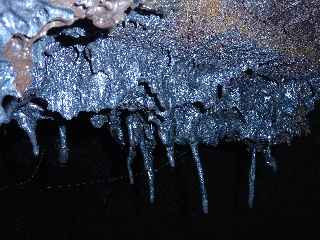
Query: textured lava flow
{"type": "Point", "coordinates": [183, 73]}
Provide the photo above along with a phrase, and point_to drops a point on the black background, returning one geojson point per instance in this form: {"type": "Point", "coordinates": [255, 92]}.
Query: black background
{"type": "Point", "coordinates": [91, 197]}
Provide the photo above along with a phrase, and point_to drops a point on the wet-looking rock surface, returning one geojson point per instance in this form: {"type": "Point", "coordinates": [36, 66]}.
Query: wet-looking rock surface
{"type": "Point", "coordinates": [167, 72]}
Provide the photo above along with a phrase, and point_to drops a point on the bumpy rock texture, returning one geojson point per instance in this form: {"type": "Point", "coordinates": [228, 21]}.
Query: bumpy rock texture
{"type": "Point", "coordinates": [187, 73]}
{"type": "Point", "coordinates": [19, 22]}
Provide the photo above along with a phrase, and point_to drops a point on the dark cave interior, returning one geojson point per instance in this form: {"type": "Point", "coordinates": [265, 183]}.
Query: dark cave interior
{"type": "Point", "coordinates": [91, 195]}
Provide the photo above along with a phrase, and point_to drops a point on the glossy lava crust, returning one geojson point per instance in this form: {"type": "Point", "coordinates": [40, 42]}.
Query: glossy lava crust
{"type": "Point", "coordinates": [148, 79]}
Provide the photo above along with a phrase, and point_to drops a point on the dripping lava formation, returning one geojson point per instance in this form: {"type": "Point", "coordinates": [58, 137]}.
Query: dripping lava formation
{"type": "Point", "coordinates": [171, 71]}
